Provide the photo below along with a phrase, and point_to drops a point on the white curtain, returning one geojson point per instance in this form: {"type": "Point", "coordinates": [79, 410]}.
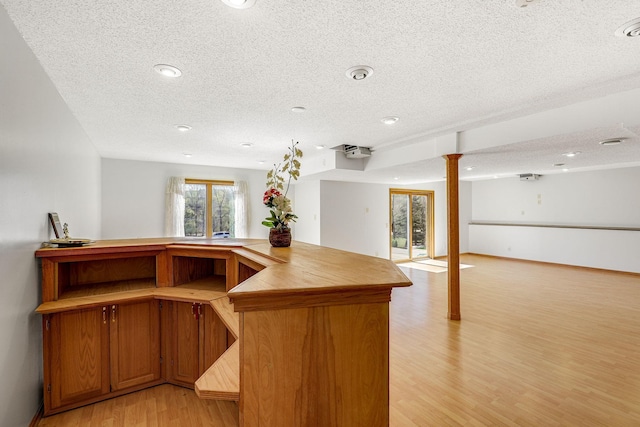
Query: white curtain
{"type": "Point", "coordinates": [241, 218]}
{"type": "Point", "coordinates": [174, 208]}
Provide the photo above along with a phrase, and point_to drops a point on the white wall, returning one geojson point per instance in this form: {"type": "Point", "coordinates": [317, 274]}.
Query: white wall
{"type": "Point", "coordinates": [596, 198]}
{"type": "Point", "coordinates": [355, 216]}
{"type": "Point", "coordinates": [307, 208]}
{"type": "Point", "coordinates": [133, 195]}
{"type": "Point", "coordinates": [47, 164]}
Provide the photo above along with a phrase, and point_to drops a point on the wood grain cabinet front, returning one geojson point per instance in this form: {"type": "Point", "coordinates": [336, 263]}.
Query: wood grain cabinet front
{"type": "Point", "coordinates": [195, 338]}
{"type": "Point", "coordinates": [92, 353]}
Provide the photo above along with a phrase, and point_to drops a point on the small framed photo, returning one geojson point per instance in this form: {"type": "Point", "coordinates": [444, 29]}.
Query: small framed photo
{"type": "Point", "coordinates": [55, 224]}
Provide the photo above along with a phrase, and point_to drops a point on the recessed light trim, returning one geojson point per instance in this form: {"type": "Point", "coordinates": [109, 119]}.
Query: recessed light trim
{"type": "Point", "coordinates": [629, 29]}
{"type": "Point", "coordinates": [320, 147]}
{"type": "Point", "coordinates": [612, 141]}
{"type": "Point", "coordinates": [469, 168]}
{"type": "Point", "coordinates": [239, 4]}
{"type": "Point", "coordinates": [359, 72]}
{"type": "Point", "coordinates": [167, 70]}
{"type": "Point", "coordinates": [557, 165]}
{"type": "Point", "coordinates": [187, 154]}
{"type": "Point", "coordinates": [524, 3]}
{"type": "Point", "coordinates": [246, 145]}
{"type": "Point", "coordinates": [183, 128]}
{"type": "Point", "coordinates": [298, 109]}
{"type": "Point", "coordinates": [390, 120]}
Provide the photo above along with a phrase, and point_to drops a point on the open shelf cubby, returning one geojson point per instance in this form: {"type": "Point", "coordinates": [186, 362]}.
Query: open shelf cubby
{"type": "Point", "coordinates": [198, 273]}
{"type": "Point", "coordinates": [97, 277]}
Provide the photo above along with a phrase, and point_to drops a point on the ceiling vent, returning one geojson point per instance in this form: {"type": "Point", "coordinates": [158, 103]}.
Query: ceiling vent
{"type": "Point", "coordinates": [529, 177]}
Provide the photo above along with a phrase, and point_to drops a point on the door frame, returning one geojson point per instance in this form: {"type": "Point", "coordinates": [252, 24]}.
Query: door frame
{"type": "Point", "coordinates": [430, 194]}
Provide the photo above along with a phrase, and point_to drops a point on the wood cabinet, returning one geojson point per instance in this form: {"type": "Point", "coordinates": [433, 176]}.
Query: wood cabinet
{"type": "Point", "coordinates": [76, 357]}
{"type": "Point", "coordinates": [134, 335]}
{"type": "Point", "coordinates": [196, 337]}
{"type": "Point", "coordinates": [92, 353]}
{"type": "Point", "coordinates": [311, 326]}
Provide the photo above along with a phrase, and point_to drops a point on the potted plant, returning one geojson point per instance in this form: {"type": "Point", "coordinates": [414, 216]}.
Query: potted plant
{"type": "Point", "coordinates": [275, 198]}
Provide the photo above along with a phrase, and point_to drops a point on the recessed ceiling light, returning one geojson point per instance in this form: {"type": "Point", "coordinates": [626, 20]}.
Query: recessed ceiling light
{"type": "Point", "coordinates": [239, 4]}
{"type": "Point", "coordinates": [187, 154]}
{"type": "Point", "coordinates": [524, 3]}
{"type": "Point", "coordinates": [558, 164]}
{"type": "Point", "coordinates": [391, 120]}
{"type": "Point", "coordinates": [359, 72]}
{"type": "Point", "coordinates": [565, 170]}
{"type": "Point", "coordinates": [395, 178]}
{"type": "Point", "coordinates": [612, 141]}
{"type": "Point", "coordinates": [183, 128]}
{"type": "Point", "coordinates": [319, 147]}
{"type": "Point", "coordinates": [470, 168]}
{"type": "Point", "coordinates": [261, 162]}
{"type": "Point", "coordinates": [629, 29]}
{"type": "Point", "coordinates": [298, 109]}
{"type": "Point", "coordinates": [246, 145]}
{"type": "Point", "coordinates": [167, 70]}
{"type": "Point", "coordinates": [571, 153]}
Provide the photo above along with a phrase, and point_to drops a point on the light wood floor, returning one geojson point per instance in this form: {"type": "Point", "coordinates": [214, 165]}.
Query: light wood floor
{"type": "Point", "coordinates": [538, 345]}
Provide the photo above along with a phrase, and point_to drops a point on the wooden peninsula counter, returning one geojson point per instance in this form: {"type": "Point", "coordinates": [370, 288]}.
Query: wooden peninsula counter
{"type": "Point", "coordinates": [298, 336]}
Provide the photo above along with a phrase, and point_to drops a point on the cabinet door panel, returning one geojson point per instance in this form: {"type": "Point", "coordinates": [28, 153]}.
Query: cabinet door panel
{"type": "Point", "coordinates": [184, 328]}
{"type": "Point", "coordinates": [79, 356]}
{"type": "Point", "coordinates": [135, 344]}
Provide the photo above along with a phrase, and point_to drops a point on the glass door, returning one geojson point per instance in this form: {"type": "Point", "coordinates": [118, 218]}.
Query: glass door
{"type": "Point", "coordinates": [411, 219]}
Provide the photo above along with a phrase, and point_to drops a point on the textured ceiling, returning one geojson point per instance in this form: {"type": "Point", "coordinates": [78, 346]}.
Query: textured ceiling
{"type": "Point", "coordinates": [441, 66]}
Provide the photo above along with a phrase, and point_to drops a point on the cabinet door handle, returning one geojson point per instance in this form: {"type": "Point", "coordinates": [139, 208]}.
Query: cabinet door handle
{"type": "Point", "coordinates": [195, 310]}
{"type": "Point", "coordinates": [113, 313]}
{"type": "Point", "coordinates": [104, 315]}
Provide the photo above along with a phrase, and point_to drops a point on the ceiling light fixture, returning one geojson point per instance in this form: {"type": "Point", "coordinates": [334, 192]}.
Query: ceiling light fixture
{"type": "Point", "coordinates": [246, 145]}
{"type": "Point", "coordinates": [470, 168]}
{"type": "Point", "coordinates": [319, 147]}
{"type": "Point", "coordinates": [187, 154]}
{"type": "Point", "coordinates": [524, 3]}
{"type": "Point", "coordinates": [167, 70]}
{"type": "Point", "coordinates": [557, 165]}
{"type": "Point", "coordinates": [239, 4]}
{"type": "Point", "coordinates": [359, 72]}
{"type": "Point", "coordinates": [183, 128]}
{"type": "Point", "coordinates": [391, 120]}
{"type": "Point", "coordinates": [298, 109]}
{"type": "Point", "coordinates": [629, 29]}
{"type": "Point", "coordinates": [612, 141]}
{"type": "Point", "coordinates": [571, 153]}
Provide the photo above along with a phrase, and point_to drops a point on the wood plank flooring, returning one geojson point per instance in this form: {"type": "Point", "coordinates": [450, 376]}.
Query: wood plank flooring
{"type": "Point", "coordinates": [538, 345]}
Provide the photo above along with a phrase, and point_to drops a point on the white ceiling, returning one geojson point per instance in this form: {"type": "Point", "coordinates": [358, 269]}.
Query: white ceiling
{"type": "Point", "coordinates": [512, 88]}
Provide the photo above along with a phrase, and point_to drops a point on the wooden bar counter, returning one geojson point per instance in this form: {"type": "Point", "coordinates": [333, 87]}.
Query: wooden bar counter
{"type": "Point", "coordinates": [299, 336]}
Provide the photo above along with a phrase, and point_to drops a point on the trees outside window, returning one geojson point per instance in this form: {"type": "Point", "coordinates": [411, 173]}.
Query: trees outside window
{"type": "Point", "coordinates": [209, 208]}
{"type": "Point", "coordinates": [411, 218]}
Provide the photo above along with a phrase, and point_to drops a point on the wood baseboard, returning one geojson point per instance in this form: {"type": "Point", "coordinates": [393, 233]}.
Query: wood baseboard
{"type": "Point", "coordinates": [38, 416]}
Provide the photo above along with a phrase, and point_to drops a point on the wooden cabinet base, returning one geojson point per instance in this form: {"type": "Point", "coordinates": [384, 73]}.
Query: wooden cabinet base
{"type": "Point", "coordinates": [318, 366]}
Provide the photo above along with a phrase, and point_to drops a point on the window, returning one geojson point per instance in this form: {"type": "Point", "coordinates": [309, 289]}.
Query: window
{"type": "Point", "coordinates": [209, 208]}
{"type": "Point", "coordinates": [411, 218]}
